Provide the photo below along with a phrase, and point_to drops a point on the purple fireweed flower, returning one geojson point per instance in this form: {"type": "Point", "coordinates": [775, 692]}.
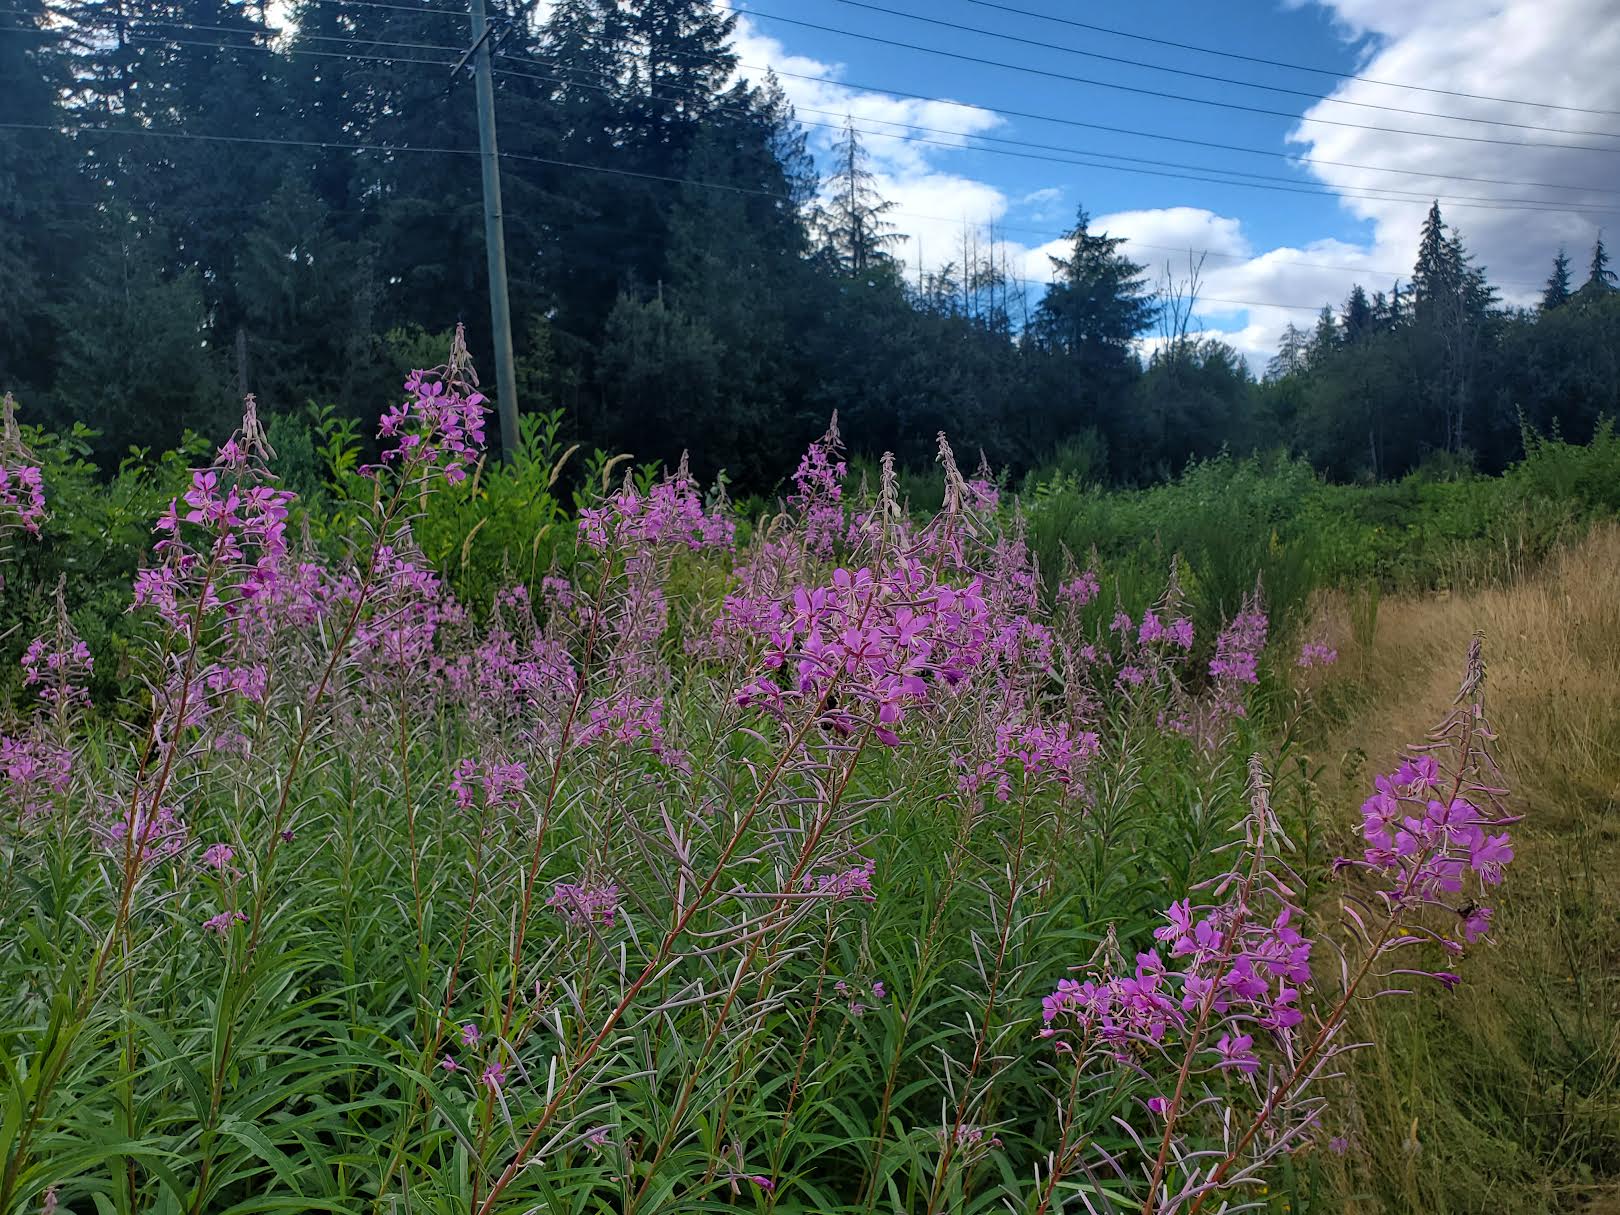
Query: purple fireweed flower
{"type": "Point", "coordinates": [1317, 654]}
{"type": "Point", "coordinates": [34, 772]}
{"type": "Point", "coordinates": [22, 491]}
{"type": "Point", "coordinates": [449, 1064]}
{"type": "Point", "coordinates": [58, 669]}
{"type": "Point", "coordinates": [219, 857]}
{"type": "Point", "coordinates": [853, 882]}
{"type": "Point", "coordinates": [147, 836]}
{"type": "Point", "coordinates": [441, 424]}
{"type": "Point", "coordinates": [1238, 646]}
{"type": "Point", "coordinates": [494, 1076]}
{"type": "Point", "coordinates": [220, 925]}
{"type": "Point", "coordinates": [1235, 1051]}
{"type": "Point", "coordinates": [500, 782]}
{"type": "Point", "coordinates": [670, 513]}
{"type": "Point", "coordinates": [470, 1035]}
{"type": "Point", "coordinates": [584, 905]}
{"type": "Point", "coordinates": [1080, 590]}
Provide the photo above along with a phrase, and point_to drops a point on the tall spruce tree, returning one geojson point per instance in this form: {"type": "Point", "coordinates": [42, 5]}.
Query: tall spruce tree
{"type": "Point", "coordinates": [1291, 357]}
{"type": "Point", "coordinates": [1325, 338]}
{"type": "Point", "coordinates": [1358, 319]}
{"type": "Point", "coordinates": [1556, 293]}
{"type": "Point", "coordinates": [1098, 303]}
{"type": "Point", "coordinates": [1451, 300]}
{"type": "Point", "coordinates": [857, 236]}
{"type": "Point", "coordinates": [1600, 280]}
{"type": "Point", "coordinates": [1094, 310]}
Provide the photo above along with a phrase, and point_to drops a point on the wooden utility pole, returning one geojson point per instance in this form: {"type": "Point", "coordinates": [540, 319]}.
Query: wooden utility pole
{"type": "Point", "coordinates": [500, 308]}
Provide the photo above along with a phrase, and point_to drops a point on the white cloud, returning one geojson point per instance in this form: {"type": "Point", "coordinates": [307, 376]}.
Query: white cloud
{"type": "Point", "coordinates": [1557, 51]}
{"type": "Point", "coordinates": [933, 206]}
{"type": "Point", "coordinates": [1151, 234]}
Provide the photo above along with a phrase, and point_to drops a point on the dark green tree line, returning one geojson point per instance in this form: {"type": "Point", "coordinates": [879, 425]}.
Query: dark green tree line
{"type": "Point", "coordinates": [195, 203]}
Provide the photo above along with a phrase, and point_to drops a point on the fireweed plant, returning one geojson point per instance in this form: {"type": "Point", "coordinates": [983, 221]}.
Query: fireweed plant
{"type": "Point", "coordinates": [877, 879]}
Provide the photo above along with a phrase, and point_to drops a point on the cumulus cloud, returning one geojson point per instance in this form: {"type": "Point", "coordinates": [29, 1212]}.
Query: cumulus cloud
{"type": "Point", "coordinates": [1555, 51]}
{"type": "Point", "coordinates": [1561, 52]}
{"type": "Point", "coordinates": [934, 207]}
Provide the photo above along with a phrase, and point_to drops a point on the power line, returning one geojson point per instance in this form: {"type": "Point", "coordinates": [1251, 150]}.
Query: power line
{"type": "Point", "coordinates": [1045, 236]}
{"type": "Point", "coordinates": [1366, 194]}
{"type": "Point", "coordinates": [1199, 172]}
{"type": "Point", "coordinates": [1375, 194]}
{"type": "Point", "coordinates": [1001, 111]}
{"type": "Point", "coordinates": [1162, 93]}
{"type": "Point", "coordinates": [1160, 136]}
{"type": "Point", "coordinates": [1297, 67]}
{"type": "Point", "coordinates": [1060, 120]}
{"type": "Point", "coordinates": [423, 9]}
{"type": "Point", "coordinates": [337, 145]}
{"type": "Point", "coordinates": [356, 146]}
{"type": "Point", "coordinates": [1247, 84]}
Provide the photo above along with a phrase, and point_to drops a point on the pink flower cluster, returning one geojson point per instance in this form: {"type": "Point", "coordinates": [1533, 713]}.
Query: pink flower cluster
{"type": "Point", "coordinates": [582, 904]}
{"type": "Point", "coordinates": [852, 882]}
{"type": "Point", "coordinates": [59, 673]}
{"type": "Point", "coordinates": [1054, 752]}
{"type": "Point", "coordinates": [858, 1006]}
{"type": "Point", "coordinates": [1177, 632]}
{"type": "Point", "coordinates": [1426, 842]}
{"type": "Point", "coordinates": [819, 492]}
{"type": "Point", "coordinates": [34, 772]}
{"type": "Point", "coordinates": [1248, 972]}
{"type": "Point", "coordinates": [1238, 646]}
{"type": "Point", "coordinates": [500, 782]}
{"type": "Point", "coordinates": [22, 487]}
{"type": "Point", "coordinates": [869, 639]}
{"type": "Point", "coordinates": [671, 512]}
{"type": "Point", "coordinates": [442, 424]}
{"type": "Point", "coordinates": [229, 543]}
{"type": "Point", "coordinates": [22, 496]}
{"type": "Point", "coordinates": [145, 836]}
{"type": "Point", "coordinates": [1080, 590]}
{"type": "Point", "coordinates": [1316, 654]}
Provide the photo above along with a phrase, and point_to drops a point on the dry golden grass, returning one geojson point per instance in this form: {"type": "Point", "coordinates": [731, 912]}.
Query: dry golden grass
{"type": "Point", "coordinates": [1506, 1095]}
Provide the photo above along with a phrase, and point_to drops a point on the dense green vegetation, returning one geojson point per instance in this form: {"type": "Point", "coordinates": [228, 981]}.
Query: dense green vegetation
{"type": "Point", "coordinates": [1226, 521]}
{"type": "Point", "coordinates": [723, 866]}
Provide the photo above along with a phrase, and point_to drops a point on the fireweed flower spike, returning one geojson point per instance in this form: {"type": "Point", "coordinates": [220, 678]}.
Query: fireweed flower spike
{"type": "Point", "coordinates": [22, 488]}
{"type": "Point", "coordinates": [440, 426]}
{"type": "Point", "coordinates": [1229, 989]}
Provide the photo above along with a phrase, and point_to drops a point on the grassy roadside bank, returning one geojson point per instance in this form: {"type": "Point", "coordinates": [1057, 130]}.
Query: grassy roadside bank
{"type": "Point", "coordinates": [1506, 1097]}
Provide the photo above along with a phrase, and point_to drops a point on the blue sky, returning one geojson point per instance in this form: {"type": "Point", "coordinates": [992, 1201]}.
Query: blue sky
{"type": "Point", "coordinates": [1269, 249]}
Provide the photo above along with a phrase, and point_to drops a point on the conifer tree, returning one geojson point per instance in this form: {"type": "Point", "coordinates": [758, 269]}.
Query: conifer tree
{"type": "Point", "coordinates": [857, 236]}
{"type": "Point", "coordinates": [1098, 303]}
{"type": "Point", "coordinates": [1290, 358]}
{"type": "Point", "coordinates": [1556, 293]}
{"type": "Point", "coordinates": [1600, 280]}
{"type": "Point", "coordinates": [1358, 319]}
